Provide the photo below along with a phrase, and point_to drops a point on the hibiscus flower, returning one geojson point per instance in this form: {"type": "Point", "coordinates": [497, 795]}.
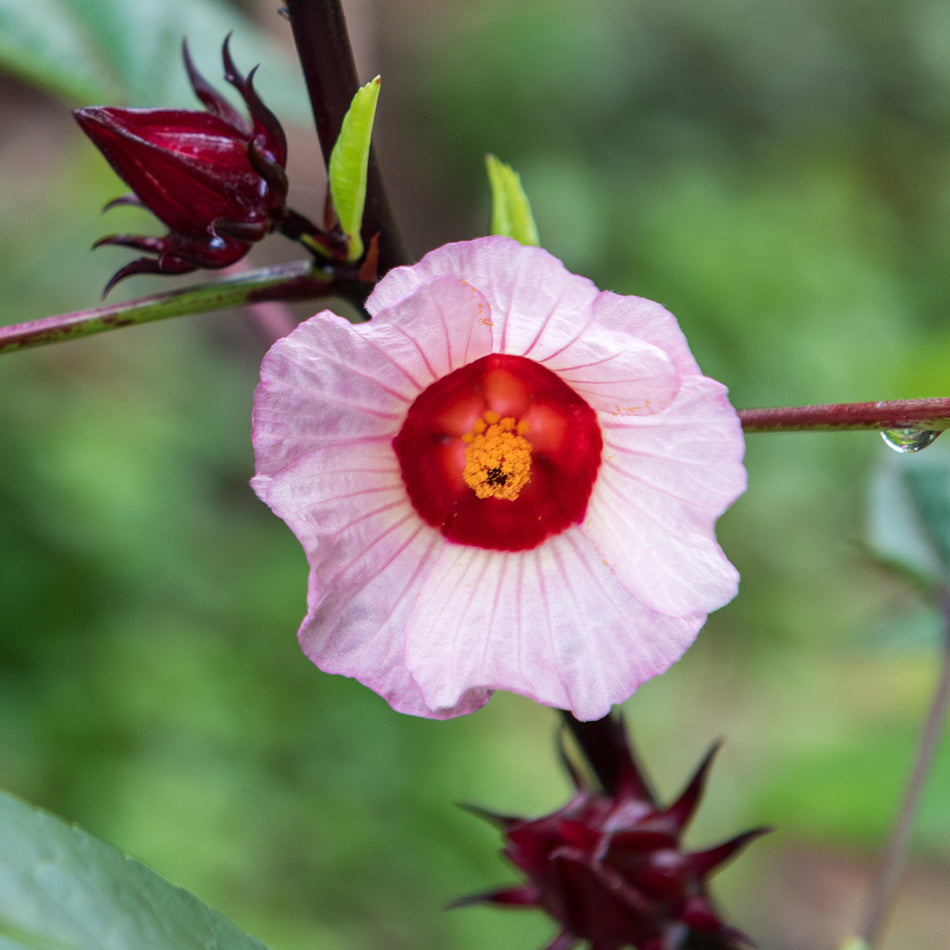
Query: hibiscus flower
{"type": "Point", "coordinates": [507, 479]}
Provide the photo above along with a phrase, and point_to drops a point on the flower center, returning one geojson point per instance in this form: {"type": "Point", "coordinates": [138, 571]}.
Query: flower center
{"type": "Point", "coordinates": [498, 457]}
{"type": "Point", "coordinates": [470, 469]}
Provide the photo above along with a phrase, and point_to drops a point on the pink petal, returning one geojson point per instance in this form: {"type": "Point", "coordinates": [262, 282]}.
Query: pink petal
{"type": "Point", "coordinates": [542, 311]}
{"type": "Point", "coordinates": [360, 598]}
{"type": "Point", "coordinates": [694, 450]}
{"type": "Point", "coordinates": [663, 482]}
{"type": "Point", "coordinates": [330, 380]}
{"type": "Point", "coordinates": [527, 288]}
{"type": "Point", "coordinates": [553, 624]}
{"type": "Point", "coordinates": [619, 375]}
{"type": "Point", "coordinates": [649, 321]}
{"type": "Point", "coordinates": [443, 324]}
{"type": "Point", "coordinates": [330, 401]}
{"type": "Point", "coordinates": [368, 552]}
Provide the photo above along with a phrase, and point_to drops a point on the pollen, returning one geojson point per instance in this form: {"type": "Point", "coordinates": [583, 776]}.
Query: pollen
{"type": "Point", "coordinates": [497, 457]}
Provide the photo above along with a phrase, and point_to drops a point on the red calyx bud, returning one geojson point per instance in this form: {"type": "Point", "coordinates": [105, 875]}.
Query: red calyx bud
{"type": "Point", "coordinates": [215, 178]}
{"type": "Point", "coordinates": [611, 870]}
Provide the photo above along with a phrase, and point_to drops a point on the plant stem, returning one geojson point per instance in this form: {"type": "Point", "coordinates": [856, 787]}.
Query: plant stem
{"type": "Point", "coordinates": [323, 45]}
{"type": "Point", "coordinates": [298, 280]}
{"type": "Point", "coordinates": [597, 739]}
{"type": "Point", "coordinates": [932, 414]}
{"type": "Point", "coordinates": [885, 887]}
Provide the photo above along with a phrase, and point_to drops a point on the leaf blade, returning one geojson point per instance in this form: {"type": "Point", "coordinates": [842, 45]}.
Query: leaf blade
{"type": "Point", "coordinates": [511, 211]}
{"type": "Point", "coordinates": [909, 523]}
{"type": "Point", "coordinates": [349, 162]}
{"type": "Point", "coordinates": [119, 53]}
{"type": "Point", "coordinates": [62, 888]}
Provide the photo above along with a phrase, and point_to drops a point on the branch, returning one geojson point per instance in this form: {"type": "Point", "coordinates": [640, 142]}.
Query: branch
{"type": "Point", "coordinates": [299, 280]}
{"type": "Point", "coordinates": [933, 414]}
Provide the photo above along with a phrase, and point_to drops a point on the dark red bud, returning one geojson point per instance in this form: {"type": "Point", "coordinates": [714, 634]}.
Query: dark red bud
{"type": "Point", "coordinates": [609, 866]}
{"type": "Point", "coordinates": [215, 178]}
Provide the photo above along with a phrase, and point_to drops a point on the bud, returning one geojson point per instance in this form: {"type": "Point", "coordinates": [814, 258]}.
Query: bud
{"type": "Point", "coordinates": [611, 870]}
{"type": "Point", "coordinates": [215, 178]}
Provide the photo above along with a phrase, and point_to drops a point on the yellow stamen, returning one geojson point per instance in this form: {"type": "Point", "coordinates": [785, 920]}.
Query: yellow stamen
{"type": "Point", "coordinates": [498, 457]}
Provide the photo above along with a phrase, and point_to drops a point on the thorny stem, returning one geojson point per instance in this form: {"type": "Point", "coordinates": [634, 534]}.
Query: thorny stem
{"type": "Point", "coordinates": [932, 414]}
{"type": "Point", "coordinates": [884, 890]}
{"type": "Point", "coordinates": [323, 45]}
{"type": "Point", "coordinates": [298, 280]}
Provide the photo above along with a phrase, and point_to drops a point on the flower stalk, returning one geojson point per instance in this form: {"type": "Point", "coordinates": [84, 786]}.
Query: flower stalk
{"type": "Point", "coordinates": [597, 740]}
{"type": "Point", "coordinates": [297, 280]}
{"type": "Point", "coordinates": [326, 57]}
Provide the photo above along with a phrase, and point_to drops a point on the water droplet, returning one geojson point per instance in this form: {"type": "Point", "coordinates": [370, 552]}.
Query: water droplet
{"type": "Point", "coordinates": [908, 440]}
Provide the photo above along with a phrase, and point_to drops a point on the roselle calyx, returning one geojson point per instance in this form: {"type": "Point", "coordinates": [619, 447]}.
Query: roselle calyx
{"type": "Point", "coordinates": [216, 177]}
{"type": "Point", "coordinates": [610, 868]}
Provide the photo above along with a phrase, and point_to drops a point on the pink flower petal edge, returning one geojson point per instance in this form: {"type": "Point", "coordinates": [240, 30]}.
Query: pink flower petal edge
{"type": "Point", "coordinates": [578, 621]}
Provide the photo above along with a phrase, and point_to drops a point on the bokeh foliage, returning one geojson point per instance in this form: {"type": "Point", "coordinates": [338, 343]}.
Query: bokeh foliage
{"type": "Point", "coordinates": [779, 176]}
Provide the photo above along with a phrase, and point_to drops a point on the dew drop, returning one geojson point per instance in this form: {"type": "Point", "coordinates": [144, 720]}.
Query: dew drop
{"type": "Point", "coordinates": [908, 440]}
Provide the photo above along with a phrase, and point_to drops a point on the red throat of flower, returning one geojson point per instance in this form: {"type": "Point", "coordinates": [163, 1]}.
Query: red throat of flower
{"type": "Point", "coordinates": [500, 454]}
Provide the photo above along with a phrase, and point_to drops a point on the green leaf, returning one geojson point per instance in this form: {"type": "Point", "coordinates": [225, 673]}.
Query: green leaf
{"type": "Point", "coordinates": [510, 211]}
{"type": "Point", "coordinates": [910, 514]}
{"type": "Point", "coordinates": [114, 52]}
{"type": "Point", "coordinates": [854, 943]}
{"type": "Point", "coordinates": [348, 163]}
{"type": "Point", "coordinates": [62, 889]}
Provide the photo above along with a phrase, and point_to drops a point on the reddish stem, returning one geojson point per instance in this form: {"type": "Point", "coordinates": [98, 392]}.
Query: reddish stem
{"type": "Point", "coordinates": [297, 280]}
{"type": "Point", "coordinates": [933, 414]}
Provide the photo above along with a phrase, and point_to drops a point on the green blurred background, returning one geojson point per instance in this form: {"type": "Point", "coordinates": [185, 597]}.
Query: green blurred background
{"type": "Point", "coordinates": [777, 174]}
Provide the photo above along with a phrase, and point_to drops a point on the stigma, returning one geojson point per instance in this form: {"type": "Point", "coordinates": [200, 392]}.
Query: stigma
{"type": "Point", "coordinates": [497, 457]}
